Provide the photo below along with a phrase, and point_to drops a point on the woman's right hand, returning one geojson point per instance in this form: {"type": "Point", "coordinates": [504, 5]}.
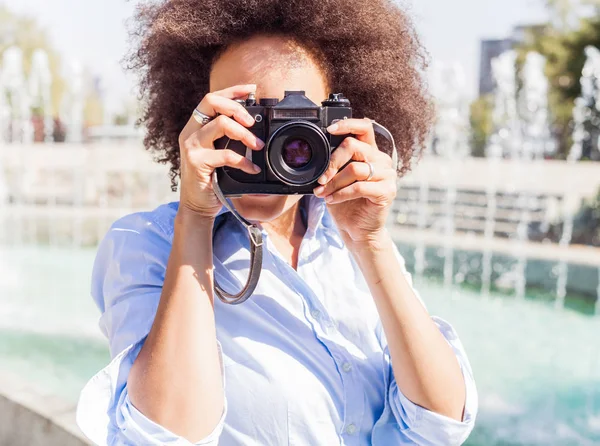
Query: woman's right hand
{"type": "Point", "coordinates": [198, 157]}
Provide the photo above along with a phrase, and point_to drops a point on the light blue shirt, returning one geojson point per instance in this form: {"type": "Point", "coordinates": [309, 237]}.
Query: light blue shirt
{"type": "Point", "coordinates": [305, 360]}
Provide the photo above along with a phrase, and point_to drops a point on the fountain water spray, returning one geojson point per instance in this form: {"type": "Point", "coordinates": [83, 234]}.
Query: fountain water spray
{"type": "Point", "coordinates": [40, 90]}
{"type": "Point", "coordinates": [13, 81]}
{"type": "Point", "coordinates": [74, 104]}
{"type": "Point", "coordinates": [504, 141]}
{"type": "Point", "coordinates": [452, 132]}
{"type": "Point", "coordinates": [582, 112]}
{"type": "Point", "coordinates": [533, 109]}
{"type": "Point", "coordinates": [4, 112]}
{"type": "Point", "coordinates": [536, 141]}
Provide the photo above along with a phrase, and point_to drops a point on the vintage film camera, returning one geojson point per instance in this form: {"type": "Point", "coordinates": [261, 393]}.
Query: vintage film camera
{"type": "Point", "coordinates": [297, 146]}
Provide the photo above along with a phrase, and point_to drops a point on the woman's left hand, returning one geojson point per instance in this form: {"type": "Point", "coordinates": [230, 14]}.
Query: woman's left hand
{"type": "Point", "coordinates": [358, 207]}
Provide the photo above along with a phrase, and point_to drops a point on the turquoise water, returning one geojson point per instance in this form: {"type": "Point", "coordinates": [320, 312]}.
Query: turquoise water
{"type": "Point", "coordinates": [537, 368]}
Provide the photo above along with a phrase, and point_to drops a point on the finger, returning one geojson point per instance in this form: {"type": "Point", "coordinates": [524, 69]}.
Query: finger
{"type": "Point", "coordinates": [361, 128]}
{"type": "Point", "coordinates": [211, 159]}
{"type": "Point", "coordinates": [237, 91]}
{"type": "Point", "coordinates": [225, 126]}
{"type": "Point", "coordinates": [221, 102]}
{"type": "Point", "coordinates": [353, 172]}
{"type": "Point", "coordinates": [350, 149]}
{"type": "Point", "coordinates": [379, 192]}
{"type": "Point", "coordinates": [220, 105]}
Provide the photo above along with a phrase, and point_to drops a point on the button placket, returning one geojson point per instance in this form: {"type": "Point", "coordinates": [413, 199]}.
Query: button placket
{"type": "Point", "coordinates": [326, 331]}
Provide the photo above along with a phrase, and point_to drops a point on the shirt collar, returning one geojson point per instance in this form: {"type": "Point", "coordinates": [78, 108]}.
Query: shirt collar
{"type": "Point", "coordinates": [318, 218]}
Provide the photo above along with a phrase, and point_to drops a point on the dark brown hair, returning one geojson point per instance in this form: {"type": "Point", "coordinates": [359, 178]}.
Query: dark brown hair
{"type": "Point", "coordinates": [368, 49]}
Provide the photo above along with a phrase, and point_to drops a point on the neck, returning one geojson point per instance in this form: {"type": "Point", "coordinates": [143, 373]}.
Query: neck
{"type": "Point", "coordinates": [288, 225]}
{"type": "Point", "coordinates": [287, 232]}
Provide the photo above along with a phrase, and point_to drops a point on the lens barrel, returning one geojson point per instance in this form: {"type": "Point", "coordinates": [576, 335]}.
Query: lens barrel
{"type": "Point", "coordinates": [298, 153]}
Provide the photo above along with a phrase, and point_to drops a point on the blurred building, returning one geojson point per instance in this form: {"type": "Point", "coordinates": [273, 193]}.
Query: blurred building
{"type": "Point", "coordinates": [492, 48]}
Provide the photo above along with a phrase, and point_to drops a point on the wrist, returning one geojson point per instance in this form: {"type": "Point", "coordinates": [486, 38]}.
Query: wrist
{"type": "Point", "coordinates": [191, 220]}
{"type": "Point", "coordinates": [192, 240]}
{"type": "Point", "coordinates": [374, 243]}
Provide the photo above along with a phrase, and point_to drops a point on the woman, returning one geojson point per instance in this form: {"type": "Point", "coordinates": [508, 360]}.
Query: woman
{"type": "Point", "coordinates": [334, 346]}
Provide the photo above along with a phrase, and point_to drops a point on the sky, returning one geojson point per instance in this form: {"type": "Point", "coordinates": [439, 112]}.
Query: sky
{"type": "Point", "coordinates": [94, 33]}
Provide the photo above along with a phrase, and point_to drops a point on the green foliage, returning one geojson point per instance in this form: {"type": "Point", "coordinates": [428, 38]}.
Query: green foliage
{"type": "Point", "coordinates": [482, 124]}
{"type": "Point", "coordinates": [27, 35]}
{"type": "Point", "coordinates": [564, 50]}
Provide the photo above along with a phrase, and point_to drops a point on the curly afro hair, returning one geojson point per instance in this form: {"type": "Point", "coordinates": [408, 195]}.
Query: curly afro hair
{"type": "Point", "coordinates": [368, 50]}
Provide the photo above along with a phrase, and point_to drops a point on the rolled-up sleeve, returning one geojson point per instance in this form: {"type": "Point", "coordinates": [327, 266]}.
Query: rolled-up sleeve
{"type": "Point", "coordinates": [126, 285]}
{"type": "Point", "coordinates": [427, 428]}
{"type": "Point", "coordinates": [413, 424]}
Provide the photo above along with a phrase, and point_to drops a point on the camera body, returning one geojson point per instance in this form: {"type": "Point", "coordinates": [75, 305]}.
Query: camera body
{"type": "Point", "coordinates": [297, 145]}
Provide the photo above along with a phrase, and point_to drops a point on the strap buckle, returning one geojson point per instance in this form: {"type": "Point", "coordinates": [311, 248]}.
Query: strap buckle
{"type": "Point", "coordinates": [255, 237]}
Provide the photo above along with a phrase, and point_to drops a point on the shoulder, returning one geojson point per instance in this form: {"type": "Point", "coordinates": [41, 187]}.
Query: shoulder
{"type": "Point", "coordinates": [141, 235]}
{"type": "Point", "coordinates": [133, 254]}
{"type": "Point", "coordinates": [159, 221]}
{"type": "Point", "coordinates": [135, 248]}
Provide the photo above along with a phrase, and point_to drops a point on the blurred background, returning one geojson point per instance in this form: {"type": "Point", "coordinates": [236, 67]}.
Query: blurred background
{"type": "Point", "coordinates": [499, 222]}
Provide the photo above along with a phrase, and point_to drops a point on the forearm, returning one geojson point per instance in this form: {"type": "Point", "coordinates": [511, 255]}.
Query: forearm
{"type": "Point", "coordinates": [176, 379]}
{"type": "Point", "coordinates": [425, 367]}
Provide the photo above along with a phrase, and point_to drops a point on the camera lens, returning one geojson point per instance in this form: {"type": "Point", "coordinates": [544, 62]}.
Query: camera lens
{"type": "Point", "coordinates": [296, 153]}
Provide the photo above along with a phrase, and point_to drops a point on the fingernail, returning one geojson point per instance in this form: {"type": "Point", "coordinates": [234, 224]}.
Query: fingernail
{"type": "Point", "coordinates": [329, 198]}
{"type": "Point", "coordinates": [319, 190]}
{"type": "Point", "coordinates": [259, 143]}
{"type": "Point", "coordinates": [249, 119]}
{"type": "Point", "coordinates": [322, 180]}
{"type": "Point", "coordinates": [332, 128]}
{"type": "Point", "coordinates": [256, 168]}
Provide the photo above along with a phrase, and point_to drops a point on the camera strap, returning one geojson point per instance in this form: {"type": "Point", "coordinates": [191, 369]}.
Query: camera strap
{"type": "Point", "coordinates": [256, 253]}
{"type": "Point", "coordinates": [387, 135]}
{"type": "Point", "coordinates": [256, 238]}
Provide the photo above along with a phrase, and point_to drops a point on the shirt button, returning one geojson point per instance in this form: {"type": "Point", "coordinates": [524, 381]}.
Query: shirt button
{"type": "Point", "coordinates": [351, 429]}
{"type": "Point", "coordinates": [347, 367]}
{"type": "Point", "coordinates": [316, 314]}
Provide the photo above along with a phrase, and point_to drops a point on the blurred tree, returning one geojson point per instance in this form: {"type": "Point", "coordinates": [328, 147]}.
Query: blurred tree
{"type": "Point", "coordinates": [93, 110]}
{"type": "Point", "coordinates": [563, 48]}
{"type": "Point", "coordinates": [565, 13]}
{"type": "Point", "coordinates": [482, 124]}
{"type": "Point", "coordinates": [25, 33]}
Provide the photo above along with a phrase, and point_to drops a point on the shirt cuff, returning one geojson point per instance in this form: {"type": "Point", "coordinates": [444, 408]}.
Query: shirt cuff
{"type": "Point", "coordinates": [106, 415]}
{"type": "Point", "coordinates": [425, 427]}
{"type": "Point", "coordinates": [138, 429]}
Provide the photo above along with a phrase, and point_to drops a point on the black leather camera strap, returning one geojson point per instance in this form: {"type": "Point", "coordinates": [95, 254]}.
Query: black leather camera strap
{"type": "Point", "coordinates": [387, 135]}
{"type": "Point", "coordinates": [256, 253]}
{"type": "Point", "coordinates": [256, 238]}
